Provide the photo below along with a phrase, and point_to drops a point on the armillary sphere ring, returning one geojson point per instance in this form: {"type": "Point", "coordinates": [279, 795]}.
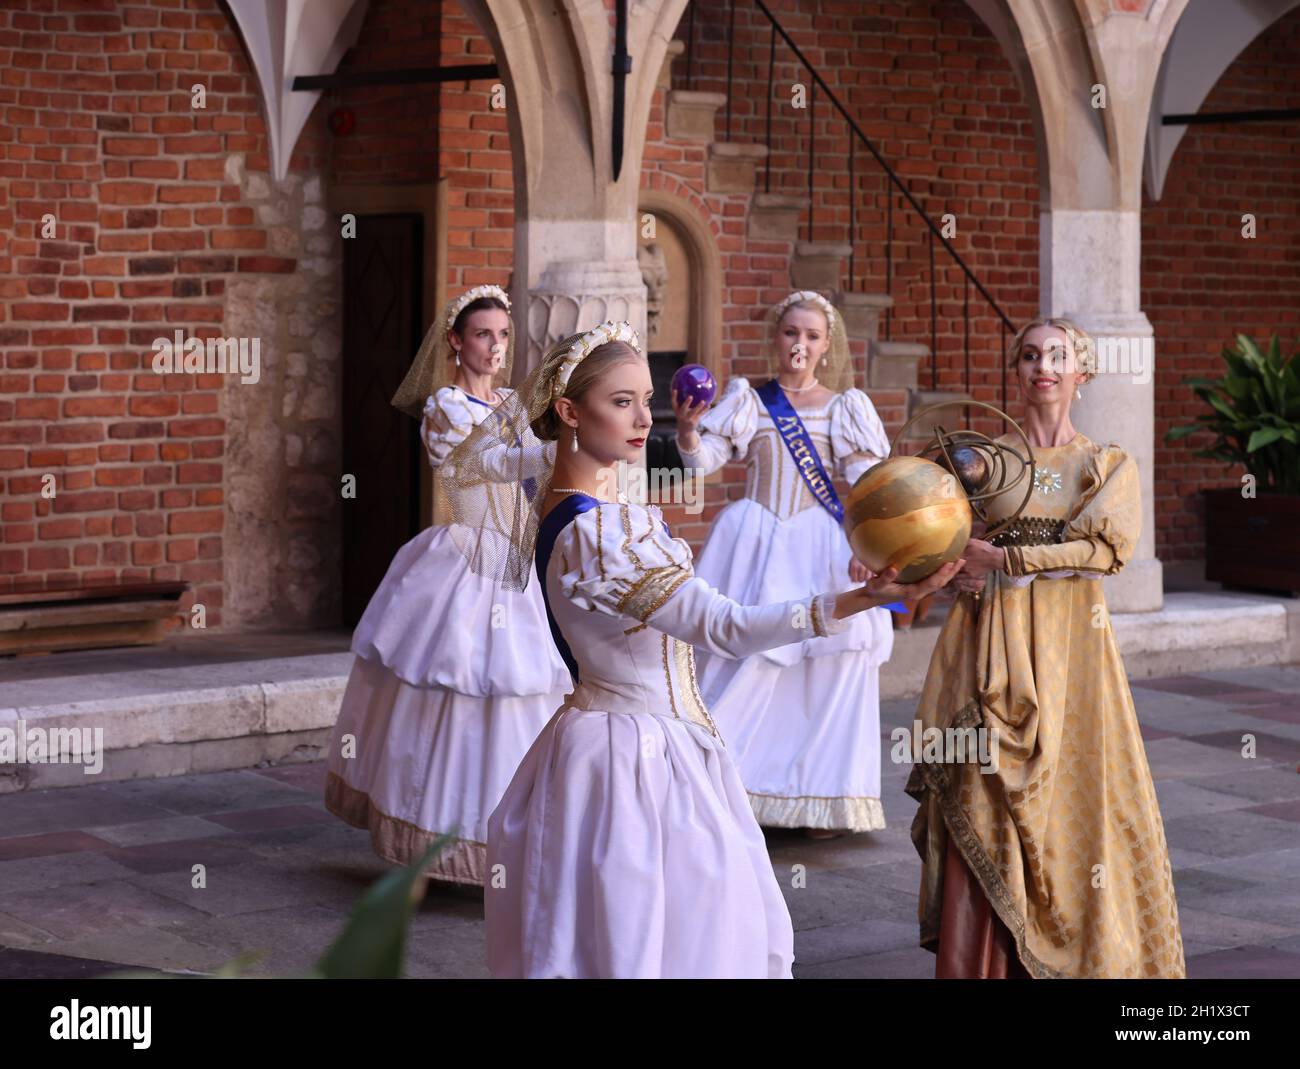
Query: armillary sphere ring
{"type": "Point", "coordinates": [994, 454]}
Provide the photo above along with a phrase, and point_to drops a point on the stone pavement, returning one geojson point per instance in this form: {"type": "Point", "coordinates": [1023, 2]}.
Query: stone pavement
{"type": "Point", "coordinates": [96, 877]}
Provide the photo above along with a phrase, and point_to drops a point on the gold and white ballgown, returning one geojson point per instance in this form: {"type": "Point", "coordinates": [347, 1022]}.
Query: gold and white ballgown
{"type": "Point", "coordinates": [452, 681]}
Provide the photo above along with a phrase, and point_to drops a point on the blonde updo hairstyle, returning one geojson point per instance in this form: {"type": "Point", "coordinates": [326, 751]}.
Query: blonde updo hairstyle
{"type": "Point", "coordinates": [548, 426]}
{"type": "Point", "coordinates": [1079, 341]}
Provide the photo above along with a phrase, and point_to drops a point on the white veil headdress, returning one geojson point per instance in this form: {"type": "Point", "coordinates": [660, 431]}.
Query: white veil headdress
{"type": "Point", "coordinates": [433, 367]}
{"type": "Point", "coordinates": [497, 479]}
{"type": "Point", "coordinates": [835, 370]}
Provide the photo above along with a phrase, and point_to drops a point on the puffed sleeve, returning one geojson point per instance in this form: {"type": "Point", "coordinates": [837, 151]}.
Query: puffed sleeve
{"type": "Point", "coordinates": [619, 560]}
{"type": "Point", "coordinates": [858, 439]}
{"type": "Point", "coordinates": [447, 422]}
{"type": "Point", "coordinates": [726, 429]}
{"type": "Point", "coordinates": [1102, 533]}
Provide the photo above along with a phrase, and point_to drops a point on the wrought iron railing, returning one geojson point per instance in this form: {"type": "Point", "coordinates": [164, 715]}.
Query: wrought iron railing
{"type": "Point", "coordinates": [896, 186]}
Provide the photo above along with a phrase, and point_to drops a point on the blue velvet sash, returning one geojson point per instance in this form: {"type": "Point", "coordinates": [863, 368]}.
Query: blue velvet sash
{"type": "Point", "coordinates": [795, 436]}
{"type": "Point", "coordinates": [568, 510]}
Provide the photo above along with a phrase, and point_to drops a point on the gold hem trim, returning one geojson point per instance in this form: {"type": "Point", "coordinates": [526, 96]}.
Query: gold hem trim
{"type": "Point", "coordinates": [401, 842]}
{"type": "Point", "coordinates": [817, 811]}
{"type": "Point", "coordinates": [934, 777]}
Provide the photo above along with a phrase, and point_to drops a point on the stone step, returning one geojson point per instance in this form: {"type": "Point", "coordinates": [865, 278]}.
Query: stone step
{"type": "Point", "coordinates": [818, 266]}
{"type": "Point", "coordinates": [923, 428]}
{"type": "Point", "coordinates": [733, 166]}
{"type": "Point", "coordinates": [775, 216]}
{"type": "Point", "coordinates": [690, 116]}
{"type": "Point", "coordinates": [861, 313]}
{"type": "Point", "coordinates": [895, 363]}
{"type": "Point", "coordinates": [673, 51]}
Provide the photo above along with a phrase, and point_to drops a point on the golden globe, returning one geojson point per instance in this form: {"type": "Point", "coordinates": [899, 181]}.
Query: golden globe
{"type": "Point", "coordinates": [910, 513]}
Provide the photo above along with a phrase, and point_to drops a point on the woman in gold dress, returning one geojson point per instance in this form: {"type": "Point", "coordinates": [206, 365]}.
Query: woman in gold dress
{"type": "Point", "coordinates": [1049, 861]}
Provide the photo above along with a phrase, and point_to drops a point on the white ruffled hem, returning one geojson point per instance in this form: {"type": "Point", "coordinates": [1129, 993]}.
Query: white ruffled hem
{"type": "Point", "coordinates": [842, 814]}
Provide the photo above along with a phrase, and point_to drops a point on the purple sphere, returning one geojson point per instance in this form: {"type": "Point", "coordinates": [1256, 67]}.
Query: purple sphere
{"type": "Point", "coordinates": [694, 382]}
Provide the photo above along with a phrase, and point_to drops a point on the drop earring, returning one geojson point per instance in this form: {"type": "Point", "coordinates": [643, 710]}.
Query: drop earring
{"type": "Point", "coordinates": [457, 352]}
{"type": "Point", "coordinates": [573, 447]}
{"type": "Point", "coordinates": [1077, 395]}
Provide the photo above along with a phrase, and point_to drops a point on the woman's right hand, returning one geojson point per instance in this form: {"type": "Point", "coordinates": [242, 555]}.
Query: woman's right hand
{"type": "Point", "coordinates": [883, 588]}
{"type": "Point", "coordinates": [688, 412]}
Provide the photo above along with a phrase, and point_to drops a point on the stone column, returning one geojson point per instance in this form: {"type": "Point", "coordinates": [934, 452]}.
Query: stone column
{"type": "Point", "coordinates": [575, 224]}
{"type": "Point", "coordinates": [1089, 274]}
{"type": "Point", "coordinates": [1088, 69]}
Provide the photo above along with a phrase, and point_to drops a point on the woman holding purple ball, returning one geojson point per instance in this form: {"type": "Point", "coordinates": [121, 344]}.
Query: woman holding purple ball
{"type": "Point", "coordinates": [803, 720]}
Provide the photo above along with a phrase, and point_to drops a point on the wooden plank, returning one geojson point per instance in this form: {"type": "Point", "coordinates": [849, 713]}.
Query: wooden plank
{"type": "Point", "coordinates": [94, 592]}
{"type": "Point", "coordinates": [34, 618]}
{"type": "Point", "coordinates": [99, 636]}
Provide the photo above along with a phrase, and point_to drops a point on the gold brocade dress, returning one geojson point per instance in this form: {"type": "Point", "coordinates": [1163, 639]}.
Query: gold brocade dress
{"type": "Point", "coordinates": [1065, 837]}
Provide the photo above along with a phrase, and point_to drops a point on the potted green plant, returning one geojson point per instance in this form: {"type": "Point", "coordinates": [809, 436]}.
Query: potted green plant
{"type": "Point", "coordinates": [1252, 532]}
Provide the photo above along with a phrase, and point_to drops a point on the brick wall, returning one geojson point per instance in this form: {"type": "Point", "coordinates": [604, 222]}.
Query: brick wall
{"type": "Point", "coordinates": [97, 129]}
{"type": "Point", "coordinates": [1203, 283]}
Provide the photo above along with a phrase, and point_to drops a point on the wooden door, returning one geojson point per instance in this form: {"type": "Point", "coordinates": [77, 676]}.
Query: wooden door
{"type": "Point", "coordinates": [381, 446]}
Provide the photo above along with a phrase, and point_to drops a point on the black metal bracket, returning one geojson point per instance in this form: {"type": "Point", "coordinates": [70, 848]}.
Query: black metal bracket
{"type": "Point", "coordinates": [1205, 118]}
{"type": "Point", "coordinates": [472, 72]}
{"type": "Point", "coordinates": [621, 68]}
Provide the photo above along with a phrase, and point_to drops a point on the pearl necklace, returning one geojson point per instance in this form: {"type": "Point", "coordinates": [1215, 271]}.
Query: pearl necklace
{"type": "Point", "coordinates": [585, 493]}
{"type": "Point", "coordinates": [799, 389]}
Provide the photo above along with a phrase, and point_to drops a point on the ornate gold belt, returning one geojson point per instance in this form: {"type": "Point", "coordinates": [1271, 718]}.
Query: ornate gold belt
{"type": "Point", "coordinates": [1030, 531]}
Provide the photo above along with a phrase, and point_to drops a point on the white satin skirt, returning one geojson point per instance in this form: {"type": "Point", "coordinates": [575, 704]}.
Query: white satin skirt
{"type": "Point", "coordinates": [624, 847]}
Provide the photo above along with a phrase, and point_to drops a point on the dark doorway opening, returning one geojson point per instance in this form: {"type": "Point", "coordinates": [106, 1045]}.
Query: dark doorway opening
{"type": "Point", "coordinates": [381, 447]}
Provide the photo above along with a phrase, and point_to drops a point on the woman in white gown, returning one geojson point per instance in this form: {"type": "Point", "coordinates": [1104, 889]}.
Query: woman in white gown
{"type": "Point", "coordinates": [452, 679]}
{"type": "Point", "coordinates": [624, 845]}
{"type": "Point", "coordinates": [802, 720]}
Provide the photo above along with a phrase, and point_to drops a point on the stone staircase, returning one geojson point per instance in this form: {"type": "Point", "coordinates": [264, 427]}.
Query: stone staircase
{"type": "Point", "coordinates": [893, 366]}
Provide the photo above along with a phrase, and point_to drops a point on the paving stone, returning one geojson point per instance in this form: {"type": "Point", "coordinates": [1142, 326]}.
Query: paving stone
{"type": "Point", "coordinates": [178, 855]}
{"type": "Point", "coordinates": [26, 875]}
{"type": "Point", "coordinates": [1244, 963]}
{"type": "Point", "coordinates": [166, 829]}
{"type": "Point", "coordinates": [453, 952]}
{"type": "Point", "coordinates": [1262, 783]}
{"type": "Point", "coordinates": [1231, 833]}
{"type": "Point", "coordinates": [1272, 904]}
{"type": "Point", "coordinates": [58, 842]}
{"type": "Point", "coordinates": [36, 965]}
{"type": "Point", "coordinates": [288, 940]}
{"type": "Point", "coordinates": [1221, 930]}
{"type": "Point", "coordinates": [71, 809]}
{"type": "Point", "coordinates": [282, 816]}
{"type": "Point", "coordinates": [72, 912]}
{"type": "Point", "coordinates": [1183, 759]}
{"type": "Point", "coordinates": [248, 888]}
{"type": "Point", "coordinates": [1182, 798]}
{"type": "Point", "coordinates": [836, 942]}
{"type": "Point", "coordinates": [901, 964]}
{"type": "Point", "coordinates": [1269, 748]}
{"type": "Point", "coordinates": [209, 792]}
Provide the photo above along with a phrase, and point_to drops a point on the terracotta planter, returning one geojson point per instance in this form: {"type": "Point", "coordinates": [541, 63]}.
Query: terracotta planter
{"type": "Point", "coordinates": [1253, 542]}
